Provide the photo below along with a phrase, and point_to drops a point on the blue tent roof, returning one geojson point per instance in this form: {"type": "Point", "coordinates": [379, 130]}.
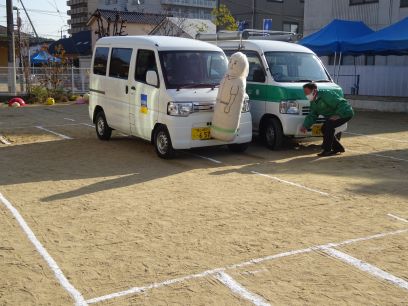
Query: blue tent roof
{"type": "Point", "coordinates": [392, 40]}
{"type": "Point", "coordinates": [330, 38]}
{"type": "Point", "coordinates": [43, 57]}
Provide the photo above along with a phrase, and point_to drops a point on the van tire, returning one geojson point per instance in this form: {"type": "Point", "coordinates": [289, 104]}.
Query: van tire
{"type": "Point", "coordinates": [238, 147]}
{"type": "Point", "coordinates": [103, 131]}
{"type": "Point", "coordinates": [338, 136]}
{"type": "Point", "coordinates": [272, 134]}
{"type": "Point", "coordinates": [162, 143]}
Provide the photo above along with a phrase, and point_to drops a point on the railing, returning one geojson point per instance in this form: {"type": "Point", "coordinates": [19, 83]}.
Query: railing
{"type": "Point", "coordinates": [75, 80]}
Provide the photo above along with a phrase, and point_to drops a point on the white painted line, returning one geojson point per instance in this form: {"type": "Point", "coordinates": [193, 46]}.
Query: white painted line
{"type": "Point", "coordinates": [366, 267]}
{"type": "Point", "coordinates": [69, 119]}
{"type": "Point", "coordinates": [76, 295]}
{"type": "Point", "coordinates": [291, 183]}
{"type": "Point", "coordinates": [207, 158]}
{"type": "Point", "coordinates": [52, 132]}
{"type": "Point", "coordinates": [237, 288]}
{"type": "Point", "coordinates": [34, 126]}
{"type": "Point", "coordinates": [136, 290]}
{"type": "Point", "coordinates": [397, 218]}
{"type": "Point", "coordinates": [4, 140]}
{"type": "Point", "coordinates": [377, 137]}
{"type": "Point", "coordinates": [89, 125]}
{"type": "Point", "coordinates": [379, 155]}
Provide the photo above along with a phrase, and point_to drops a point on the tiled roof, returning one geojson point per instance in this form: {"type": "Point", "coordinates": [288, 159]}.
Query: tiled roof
{"type": "Point", "coordinates": [79, 43]}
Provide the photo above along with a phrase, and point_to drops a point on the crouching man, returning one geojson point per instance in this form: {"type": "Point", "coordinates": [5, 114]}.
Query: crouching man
{"type": "Point", "coordinates": [334, 108]}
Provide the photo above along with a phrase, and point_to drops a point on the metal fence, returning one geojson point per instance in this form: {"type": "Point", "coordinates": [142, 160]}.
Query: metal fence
{"type": "Point", "coordinates": [75, 80]}
{"type": "Point", "coordinates": [386, 81]}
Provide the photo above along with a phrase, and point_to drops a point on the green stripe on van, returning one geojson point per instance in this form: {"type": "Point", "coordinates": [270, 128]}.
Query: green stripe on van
{"type": "Point", "coordinates": [273, 93]}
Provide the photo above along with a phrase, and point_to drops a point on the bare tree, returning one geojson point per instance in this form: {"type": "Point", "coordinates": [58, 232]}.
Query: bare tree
{"type": "Point", "coordinates": [114, 27]}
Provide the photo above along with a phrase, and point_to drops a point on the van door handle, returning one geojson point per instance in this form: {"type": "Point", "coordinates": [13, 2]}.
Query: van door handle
{"type": "Point", "coordinates": [133, 88]}
{"type": "Point", "coordinates": [127, 89]}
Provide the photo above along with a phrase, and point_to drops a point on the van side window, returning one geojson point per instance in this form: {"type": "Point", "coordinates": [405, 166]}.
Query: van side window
{"type": "Point", "coordinates": [101, 60]}
{"type": "Point", "coordinates": [120, 62]}
{"type": "Point", "coordinates": [146, 60]}
{"type": "Point", "coordinates": [256, 70]}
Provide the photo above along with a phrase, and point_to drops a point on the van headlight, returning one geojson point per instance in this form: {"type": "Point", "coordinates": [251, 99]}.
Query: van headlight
{"type": "Point", "coordinates": [289, 107]}
{"type": "Point", "coordinates": [246, 107]}
{"type": "Point", "coordinates": [182, 109]}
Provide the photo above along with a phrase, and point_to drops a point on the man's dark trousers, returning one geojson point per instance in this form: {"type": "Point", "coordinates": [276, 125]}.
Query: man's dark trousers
{"type": "Point", "coordinates": [330, 142]}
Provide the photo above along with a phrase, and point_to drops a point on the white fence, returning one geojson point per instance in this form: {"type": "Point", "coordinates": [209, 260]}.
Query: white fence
{"type": "Point", "coordinates": [387, 81]}
{"type": "Point", "coordinates": [75, 80]}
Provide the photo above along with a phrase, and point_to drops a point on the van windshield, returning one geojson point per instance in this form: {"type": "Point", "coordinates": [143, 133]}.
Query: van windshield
{"type": "Point", "coordinates": [193, 69]}
{"type": "Point", "coordinates": [296, 67]}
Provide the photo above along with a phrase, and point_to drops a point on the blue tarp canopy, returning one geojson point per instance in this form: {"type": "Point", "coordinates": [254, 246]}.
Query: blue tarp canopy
{"type": "Point", "coordinates": [43, 57]}
{"type": "Point", "coordinates": [330, 39]}
{"type": "Point", "coordinates": [392, 40]}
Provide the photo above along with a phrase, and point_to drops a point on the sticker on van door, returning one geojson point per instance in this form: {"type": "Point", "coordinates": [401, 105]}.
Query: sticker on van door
{"type": "Point", "coordinates": [143, 104]}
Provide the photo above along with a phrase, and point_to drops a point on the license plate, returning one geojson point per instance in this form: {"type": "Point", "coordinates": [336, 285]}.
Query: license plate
{"type": "Point", "coordinates": [200, 133]}
{"type": "Point", "coordinates": [317, 130]}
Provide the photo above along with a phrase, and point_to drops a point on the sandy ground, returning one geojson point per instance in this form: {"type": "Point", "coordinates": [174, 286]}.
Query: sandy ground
{"type": "Point", "coordinates": [114, 216]}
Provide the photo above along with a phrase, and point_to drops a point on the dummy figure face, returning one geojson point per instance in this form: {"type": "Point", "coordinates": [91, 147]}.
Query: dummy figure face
{"type": "Point", "coordinates": [238, 65]}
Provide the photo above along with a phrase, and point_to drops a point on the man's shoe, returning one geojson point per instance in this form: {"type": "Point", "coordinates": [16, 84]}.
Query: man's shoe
{"type": "Point", "coordinates": [339, 150]}
{"type": "Point", "coordinates": [325, 154]}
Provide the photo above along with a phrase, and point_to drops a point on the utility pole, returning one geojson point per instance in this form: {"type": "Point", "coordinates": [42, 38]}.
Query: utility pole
{"type": "Point", "coordinates": [20, 55]}
{"type": "Point", "coordinates": [29, 19]}
{"type": "Point", "coordinates": [218, 9]}
{"type": "Point", "coordinates": [11, 54]}
{"type": "Point", "coordinates": [254, 14]}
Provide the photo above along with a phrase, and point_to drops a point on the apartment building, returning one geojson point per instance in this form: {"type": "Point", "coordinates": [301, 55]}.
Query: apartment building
{"type": "Point", "coordinates": [81, 10]}
{"type": "Point", "coordinates": [286, 15]}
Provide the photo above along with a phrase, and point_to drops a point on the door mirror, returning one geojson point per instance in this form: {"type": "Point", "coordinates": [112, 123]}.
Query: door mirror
{"type": "Point", "coordinates": [152, 78]}
{"type": "Point", "coordinates": [259, 76]}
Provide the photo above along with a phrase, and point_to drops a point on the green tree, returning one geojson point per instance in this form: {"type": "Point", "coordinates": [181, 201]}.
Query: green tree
{"type": "Point", "coordinates": [223, 18]}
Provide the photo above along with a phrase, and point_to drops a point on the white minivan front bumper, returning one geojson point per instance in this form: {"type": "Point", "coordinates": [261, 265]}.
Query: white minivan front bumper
{"type": "Point", "coordinates": [180, 130]}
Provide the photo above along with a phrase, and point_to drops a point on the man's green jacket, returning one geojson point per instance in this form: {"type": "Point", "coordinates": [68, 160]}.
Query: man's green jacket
{"type": "Point", "coordinates": [328, 103]}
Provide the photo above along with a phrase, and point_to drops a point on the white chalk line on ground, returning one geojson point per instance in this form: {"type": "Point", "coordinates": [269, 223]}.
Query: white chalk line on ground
{"type": "Point", "coordinates": [207, 158]}
{"type": "Point", "coordinates": [76, 295]}
{"type": "Point", "coordinates": [88, 125]}
{"type": "Point", "coordinates": [136, 290]}
{"type": "Point", "coordinates": [238, 289]}
{"type": "Point", "coordinates": [291, 183]}
{"type": "Point", "coordinates": [378, 155]}
{"type": "Point", "coordinates": [366, 267]}
{"type": "Point", "coordinates": [397, 218]}
{"type": "Point", "coordinates": [69, 119]}
{"type": "Point", "coordinates": [55, 133]}
{"type": "Point", "coordinates": [377, 137]}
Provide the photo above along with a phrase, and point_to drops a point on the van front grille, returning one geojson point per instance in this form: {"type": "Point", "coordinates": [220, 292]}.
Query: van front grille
{"type": "Point", "coordinates": [203, 106]}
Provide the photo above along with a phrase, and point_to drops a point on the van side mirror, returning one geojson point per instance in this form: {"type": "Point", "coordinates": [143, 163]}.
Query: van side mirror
{"type": "Point", "coordinates": [152, 78]}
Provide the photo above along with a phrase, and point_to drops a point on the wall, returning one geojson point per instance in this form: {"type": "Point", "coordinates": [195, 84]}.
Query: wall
{"type": "Point", "coordinates": [375, 80]}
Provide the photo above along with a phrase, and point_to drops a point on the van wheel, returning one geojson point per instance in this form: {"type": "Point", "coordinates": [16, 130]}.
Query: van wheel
{"type": "Point", "coordinates": [272, 134]}
{"type": "Point", "coordinates": [238, 147]}
{"type": "Point", "coordinates": [162, 143]}
{"type": "Point", "coordinates": [103, 131]}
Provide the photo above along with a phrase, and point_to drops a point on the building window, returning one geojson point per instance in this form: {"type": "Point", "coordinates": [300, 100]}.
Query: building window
{"type": "Point", "coordinates": [291, 27]}
{"type": "Point", "coordinates": [404, 3]}
{"type": "Point", "coordinates": [369, 60]}
{"type": "Point", "coordinates": [120, 62]}
{"type": "Point", "coordinates": [356, 2]}
{"type": "Point", "coordinates": [101, 60]}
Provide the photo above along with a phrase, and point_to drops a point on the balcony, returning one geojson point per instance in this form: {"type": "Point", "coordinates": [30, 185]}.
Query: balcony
{"type": "Point", "coordinates": [210, 4]}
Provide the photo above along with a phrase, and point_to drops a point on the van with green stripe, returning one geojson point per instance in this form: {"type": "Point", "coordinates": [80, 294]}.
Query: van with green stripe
{"type": "Point", "coordinates": [277, 72]}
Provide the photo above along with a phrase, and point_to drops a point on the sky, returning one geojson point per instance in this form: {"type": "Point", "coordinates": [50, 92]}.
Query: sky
{"type": "Point", "coordinates": [48, 16]}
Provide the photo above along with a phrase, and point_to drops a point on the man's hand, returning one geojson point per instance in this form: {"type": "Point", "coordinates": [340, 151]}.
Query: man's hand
{"type": "Point", "coordinates": [303, 130]}
{"type": "Point", "coordinates": [335, 117]}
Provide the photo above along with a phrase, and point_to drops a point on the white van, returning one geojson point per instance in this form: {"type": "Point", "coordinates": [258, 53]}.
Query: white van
{"type": "Point", "coordinates": [278, 71]}
{"type": "Point", "coordinates": [162, 89]}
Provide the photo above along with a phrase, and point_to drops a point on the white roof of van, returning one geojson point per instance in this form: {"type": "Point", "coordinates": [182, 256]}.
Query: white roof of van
{"type": "Point", "coordinates": [265, 45]}
{"type": "Point", "coordinates": [162, 43]}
